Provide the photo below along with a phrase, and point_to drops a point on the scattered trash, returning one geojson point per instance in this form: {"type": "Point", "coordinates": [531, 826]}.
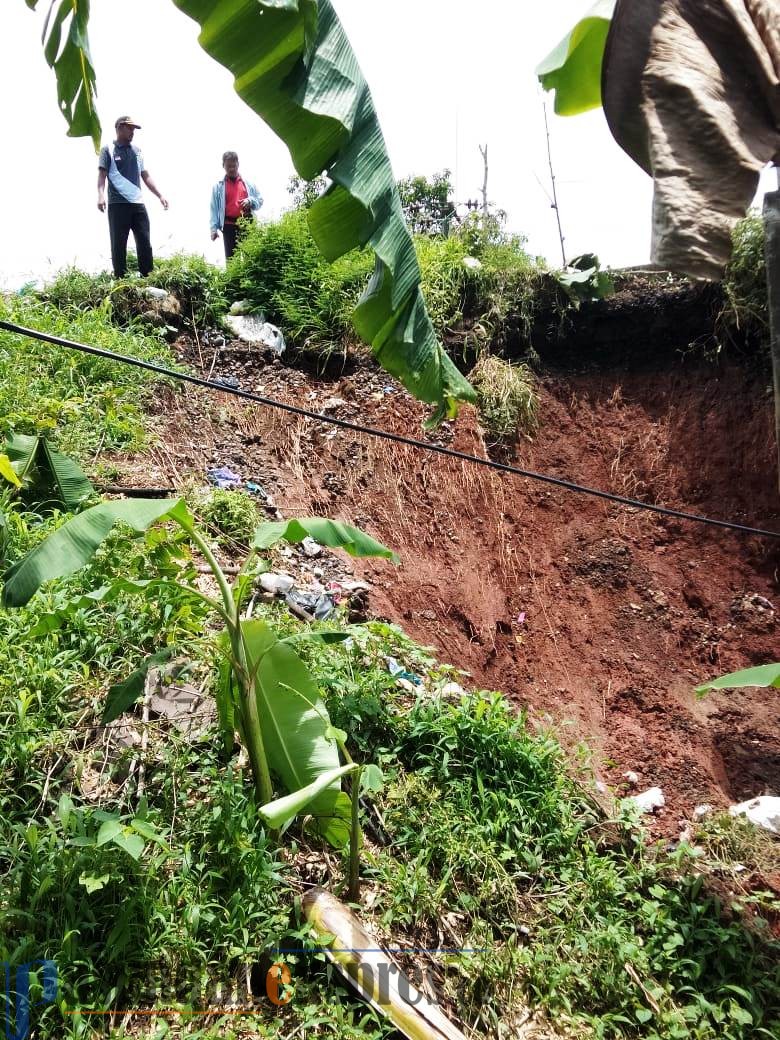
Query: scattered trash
{"type": "Point", "coordinates": [272, 338]}
{"type": "Point", "coordinates": [253, 328]}
{"type": "Point", "coordinates": [310, 547]}
{"type": "Point", "coordinates": [702, 810]}
{"type": "Point", "coordinates": [650, 800]}
{"type": "Point", "coordinates": [153, 293]}
{"type": "Point", "coordinates": [242, 307]}
{"type": "Point", "coordinates": [452, 689]}
{"type": "Point", "coordinates": [229, 381]}
{"type": "Point", "coordinates": [763, 811]}
{"type": "Point", "coordinates": [278, 584]}
{"type": "Point", "coordinates": [333, 403]}
{"type": "Point", "coordinates": [317, 604]}
{"type": "Point", "coordinates": [256, 489]}
{"type": "Point", "coordinates": [631, 777]}
{"type": "Point", "coordinates": [521, 617]}
{"type": "Point", "coordinates": [224, 478]}
{"type": "Point", "coordinates": [399, 672]}
{"type": "Point", "coordinates": [472, 263]}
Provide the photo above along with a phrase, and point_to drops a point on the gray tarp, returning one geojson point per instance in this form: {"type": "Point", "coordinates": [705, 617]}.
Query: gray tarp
{"type": "Point", "coordinates": [691, 90]}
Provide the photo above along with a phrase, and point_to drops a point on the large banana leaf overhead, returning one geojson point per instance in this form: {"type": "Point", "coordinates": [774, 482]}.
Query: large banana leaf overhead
{"type": "Point", "coordinates": [294, 66]}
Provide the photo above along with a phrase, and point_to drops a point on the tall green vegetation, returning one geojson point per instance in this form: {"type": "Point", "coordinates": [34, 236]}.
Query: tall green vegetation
{"type": "Point", "coordinates": [279, 269]}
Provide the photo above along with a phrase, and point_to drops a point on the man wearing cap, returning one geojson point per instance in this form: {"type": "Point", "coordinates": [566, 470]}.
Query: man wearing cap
{"type": "Point", "coordinates": [123, 166]}
{"type": "Point", "coordinates": [232, 197]}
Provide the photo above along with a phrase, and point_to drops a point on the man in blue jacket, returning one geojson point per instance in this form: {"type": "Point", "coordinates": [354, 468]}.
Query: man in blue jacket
{"type": "Point", "coordinates": [231, 198]}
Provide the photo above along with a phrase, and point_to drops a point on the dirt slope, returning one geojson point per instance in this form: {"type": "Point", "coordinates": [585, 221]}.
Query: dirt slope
{"type": "Point", "coordinates": [579, 610]}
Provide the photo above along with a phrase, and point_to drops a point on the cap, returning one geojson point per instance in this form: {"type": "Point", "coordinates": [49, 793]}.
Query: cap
{"type": "Point", "coordinates": [128, 121]}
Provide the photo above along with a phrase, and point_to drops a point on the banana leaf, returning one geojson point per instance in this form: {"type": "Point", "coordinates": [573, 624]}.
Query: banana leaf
{"type": "Point", "coordinates": [283, 811]}
{"type": "Point", "coordinates": [38, 461]}
{"type": "Point", "coordinates": [333, 533]}
{"type": "Point", "coordinates": [295, 726]}
{"type": "Point", "coordinates": [763, 675]}
{"type": "Point", "coordinates": [74, 544]}
{"type": "Point", "coordinates": [373, 972]}
{"type": "Point", "coordinates": [573, 68]}
{"type": "Point", "coordinates": [66, 47]}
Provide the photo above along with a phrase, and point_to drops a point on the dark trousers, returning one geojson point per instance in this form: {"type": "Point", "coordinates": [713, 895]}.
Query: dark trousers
{"type": "Point", "coordinates": [232, 233]}
{"type": "Point", "coordinates": [124, 217]}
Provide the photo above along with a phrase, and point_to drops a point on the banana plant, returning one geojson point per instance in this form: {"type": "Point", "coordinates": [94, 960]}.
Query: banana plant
{"type": "Point", "coordinates": [264, 689]}
{"type": "Point", "coordinates": [294, 66]}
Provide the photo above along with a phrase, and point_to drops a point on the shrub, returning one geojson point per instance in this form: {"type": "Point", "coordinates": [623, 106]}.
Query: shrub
{"type": "Point", "coordinates": [198, 285]}
{"type": "Point", "coordinates": [231, 515]}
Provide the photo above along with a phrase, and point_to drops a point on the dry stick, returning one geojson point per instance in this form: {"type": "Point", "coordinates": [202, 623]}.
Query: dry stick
{"type": "Point", "coordinates": [631, 970]}
{"type": "Point", "coordinates": [484, 153]}
{"type": "Point", "coordinates": [552, 178]}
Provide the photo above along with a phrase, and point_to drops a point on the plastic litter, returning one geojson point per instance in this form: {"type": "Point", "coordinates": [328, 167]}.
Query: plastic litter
{"type": "Point", "coordinates": [310, 547]}
{"type": "Point", "coordinates": [453, 690]}
{"type": "Point", "coordinates": [153, 293]}
{"type": "Point", "coordinates": [399, 672]}
{"type": "Point", "coordinates": [242, 307]}
{"type": "Point", "coordinates": [702, 810]}
{"type": "Point", "coordinates": [253, 328]}
{"type": "Point", "coordinates": [631, 777]}
{"type": "Point", "coordinates": [279, 584]}
{"type": "Point", "coordinates": [472, 263]}
{"type": "Point", "coordinates": [224, 478]}
{"type": "Point", "coordinates": [318, 603]}
{"type": "Point", "coordinates": [763, 811]}
{"type": "Point", "coordinates": [229, 381]}
{"type": "Point", "coordinates": [650, 800]}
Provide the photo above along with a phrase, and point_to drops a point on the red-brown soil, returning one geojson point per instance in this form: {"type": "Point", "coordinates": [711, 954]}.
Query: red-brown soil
{"type": "Point", "coordinates": [581, 611]}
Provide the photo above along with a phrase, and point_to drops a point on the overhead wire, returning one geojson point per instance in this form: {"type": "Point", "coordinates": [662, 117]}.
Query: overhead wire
{"type": "Point", "coordinates": [370, 431]}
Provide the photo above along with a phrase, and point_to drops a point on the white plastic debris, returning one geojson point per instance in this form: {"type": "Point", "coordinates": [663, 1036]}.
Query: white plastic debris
{"type": "Point", "coordinates": [649, 800]}
{"type": "Point", "coordinates": [310, 547]}
{"type": "Point", "coordinates": [763, 811]}
{"type": "Point", "coordinates": [272, 338]}
{"type": "Point", "coordinates": [702, 810]}
{"type": "Point", "coordinates": [153, 293]}
{"type": "Point", "coordinates": [278, 584]}
{"type": "Point", "coordinates": [472, 263]}
{"type": "Point", "coordinates": [253, 328]}
{"type": "Point", "coordinates": [631, 777]}
{"type": "Point", "coordinates": [452, 689]}
{"type": "Point", "coordinates": [242, 307]}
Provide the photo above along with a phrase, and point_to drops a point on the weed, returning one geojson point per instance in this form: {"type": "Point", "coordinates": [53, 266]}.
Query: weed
{"type": "Point", "coordinates": [507, 398]}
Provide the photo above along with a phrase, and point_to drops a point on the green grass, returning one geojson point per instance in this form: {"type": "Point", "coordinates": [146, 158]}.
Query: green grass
{"type": "Point", "coordinates": [745, 313]}
{"type": "Point", "coordinates": [87, 402]}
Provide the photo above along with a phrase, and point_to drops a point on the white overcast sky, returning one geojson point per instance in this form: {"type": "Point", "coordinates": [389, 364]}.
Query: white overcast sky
{"type": "Point", "coordinates": [446, 76]}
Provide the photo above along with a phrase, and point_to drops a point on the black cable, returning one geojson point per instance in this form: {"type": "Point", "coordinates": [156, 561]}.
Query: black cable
{"type": "Point", "coordinates": [382, 434]}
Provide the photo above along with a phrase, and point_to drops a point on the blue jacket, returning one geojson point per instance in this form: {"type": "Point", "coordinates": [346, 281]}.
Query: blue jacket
{"type": "Point", "coordinates": [218, 202]}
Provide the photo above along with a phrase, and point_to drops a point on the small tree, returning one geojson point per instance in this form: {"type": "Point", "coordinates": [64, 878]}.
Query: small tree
{"type": "Point", "coordinates": [428, 204]}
